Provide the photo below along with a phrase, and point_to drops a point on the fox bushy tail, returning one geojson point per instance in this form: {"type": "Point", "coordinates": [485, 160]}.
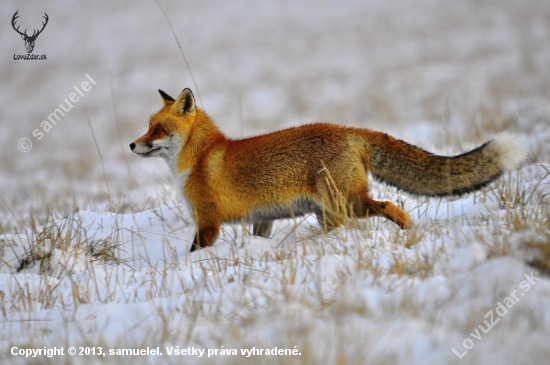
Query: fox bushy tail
{"type": "Point", "coordinates": [416, 171]}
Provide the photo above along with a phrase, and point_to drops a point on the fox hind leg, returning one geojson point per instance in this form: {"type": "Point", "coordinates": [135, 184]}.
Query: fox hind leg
{"type": "Point", "coordinates": [364, 206]}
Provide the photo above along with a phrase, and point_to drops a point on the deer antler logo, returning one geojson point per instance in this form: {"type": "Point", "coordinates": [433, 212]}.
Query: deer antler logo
{"type": "Point", "coordinates": [29, 40]}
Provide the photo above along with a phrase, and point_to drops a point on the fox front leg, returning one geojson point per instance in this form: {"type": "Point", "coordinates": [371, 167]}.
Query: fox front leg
{"type": "Point", "coordinates": [205, 237]}
{"type": "Point", "coordinates": [263, 228]}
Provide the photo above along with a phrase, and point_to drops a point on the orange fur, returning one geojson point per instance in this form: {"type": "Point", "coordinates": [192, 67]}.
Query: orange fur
{"type": "Point", "coordinates": [307, 169]}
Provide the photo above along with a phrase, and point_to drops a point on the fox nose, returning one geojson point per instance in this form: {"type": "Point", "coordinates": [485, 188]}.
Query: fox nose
{"type": "Point", "coordinates": [132, 146]}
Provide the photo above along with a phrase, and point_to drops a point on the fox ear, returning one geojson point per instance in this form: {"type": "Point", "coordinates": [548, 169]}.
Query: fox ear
{"type": "Point", "coordinates": [165, 98]}
{"type": "Point", "coordinates": [185, 103]}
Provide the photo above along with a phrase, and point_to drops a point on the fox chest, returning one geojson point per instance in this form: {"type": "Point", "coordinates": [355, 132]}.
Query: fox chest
{"type": "Point", "coordinates": [181, 181]}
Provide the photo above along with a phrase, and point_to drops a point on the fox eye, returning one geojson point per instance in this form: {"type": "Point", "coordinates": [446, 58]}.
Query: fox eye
{"type": "Point", "coordinates": [157, 131]}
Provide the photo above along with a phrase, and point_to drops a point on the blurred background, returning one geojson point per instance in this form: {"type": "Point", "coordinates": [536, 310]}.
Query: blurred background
{"type": "Point", "coordinates": [443, 75]}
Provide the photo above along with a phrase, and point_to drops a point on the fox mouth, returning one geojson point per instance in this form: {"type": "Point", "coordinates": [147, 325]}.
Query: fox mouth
{"type": "Point", "coordinates": [148, 154]}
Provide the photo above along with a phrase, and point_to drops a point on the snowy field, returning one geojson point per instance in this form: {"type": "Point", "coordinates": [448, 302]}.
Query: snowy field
{"type": "Point", "coordinates": [94, 241]}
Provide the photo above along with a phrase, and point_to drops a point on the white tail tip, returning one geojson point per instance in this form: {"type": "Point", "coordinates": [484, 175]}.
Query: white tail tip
{"type": "Point", "coordinates": [511, 149]}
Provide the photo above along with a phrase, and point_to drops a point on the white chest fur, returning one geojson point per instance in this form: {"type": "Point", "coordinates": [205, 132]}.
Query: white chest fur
{"type": "Point", "coordinates": [181, 180]}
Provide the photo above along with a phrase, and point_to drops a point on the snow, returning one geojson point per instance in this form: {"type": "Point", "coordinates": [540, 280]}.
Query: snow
{"type": "Point", "coordinates": [94, 256]}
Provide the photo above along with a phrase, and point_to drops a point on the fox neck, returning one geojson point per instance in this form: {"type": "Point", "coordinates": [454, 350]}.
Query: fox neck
{"type": "Point", "coordinates": [202, 135]}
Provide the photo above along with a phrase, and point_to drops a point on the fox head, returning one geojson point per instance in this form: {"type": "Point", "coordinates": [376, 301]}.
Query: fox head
{"type": "Point", "coordinates": [169, 129]}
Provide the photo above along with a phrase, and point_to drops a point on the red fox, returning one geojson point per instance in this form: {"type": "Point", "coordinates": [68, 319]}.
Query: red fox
{"type": "Point", "coordinates": [299, 170]}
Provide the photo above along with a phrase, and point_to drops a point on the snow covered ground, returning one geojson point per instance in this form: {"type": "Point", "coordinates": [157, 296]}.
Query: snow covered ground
{"type": "Point", "coordinates": [94, 246]}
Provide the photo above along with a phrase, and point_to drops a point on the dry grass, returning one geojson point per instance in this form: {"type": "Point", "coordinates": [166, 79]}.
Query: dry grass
{"type": "Point", "coordinates": [54, 250]}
